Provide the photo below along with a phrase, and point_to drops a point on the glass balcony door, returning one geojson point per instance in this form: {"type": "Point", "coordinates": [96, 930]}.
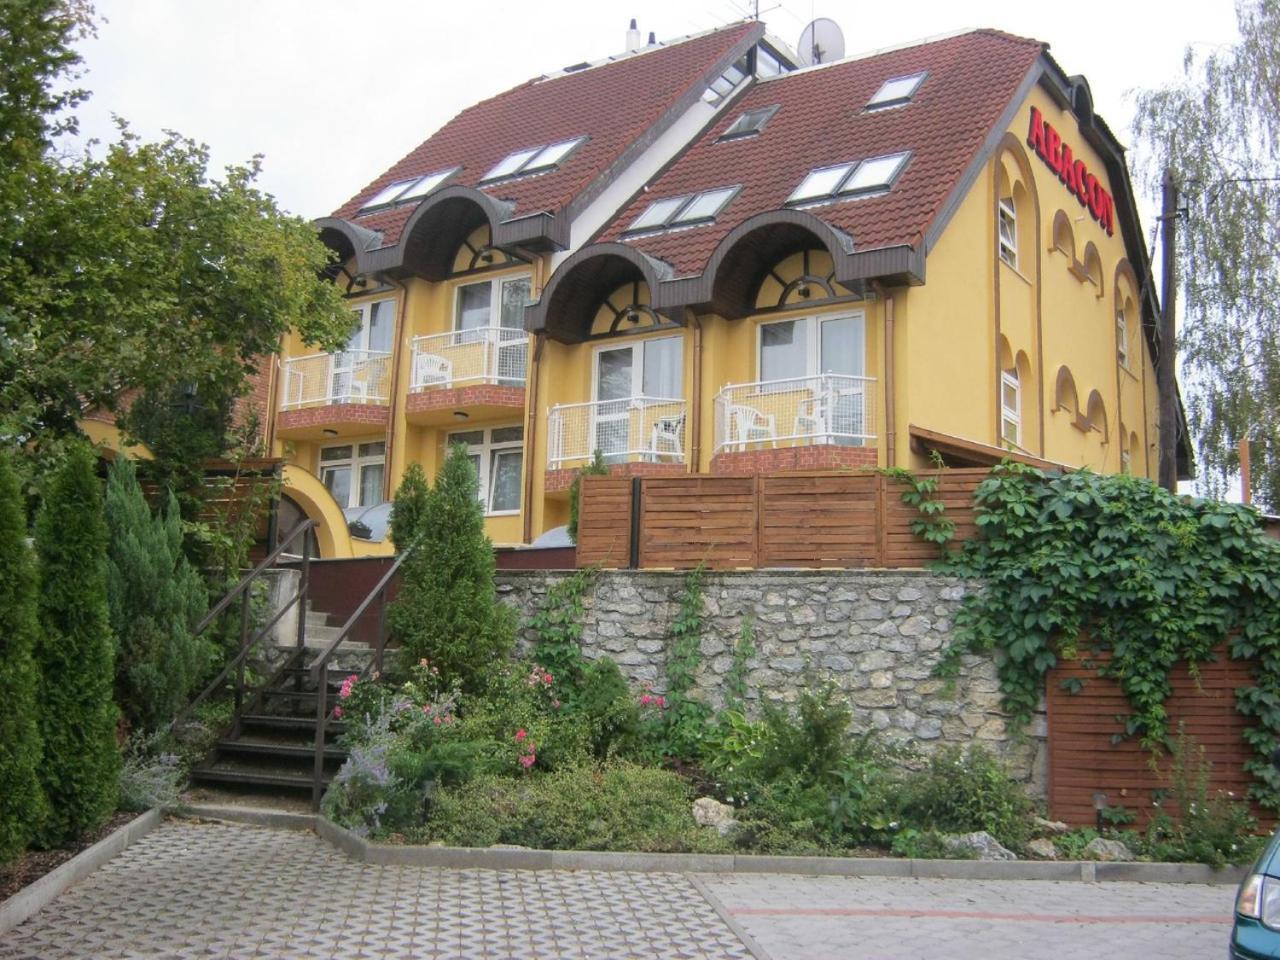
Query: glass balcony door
{"type": "Point", "coordinates": [653, 369]}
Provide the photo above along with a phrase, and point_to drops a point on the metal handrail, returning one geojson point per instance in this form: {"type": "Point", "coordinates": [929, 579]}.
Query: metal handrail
{"type": "Point", "coordinates": [247, 644]}
{"type": "Point", "coordinates": [319, 667]}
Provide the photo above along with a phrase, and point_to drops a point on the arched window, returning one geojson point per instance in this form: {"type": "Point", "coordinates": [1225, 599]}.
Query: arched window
{"type": "Point", "coordinates": [1126, 451]}
{"type": "Point", "coordinates": [1008, 231]}
{"type": "Point", "coordinates": [1122, 332]}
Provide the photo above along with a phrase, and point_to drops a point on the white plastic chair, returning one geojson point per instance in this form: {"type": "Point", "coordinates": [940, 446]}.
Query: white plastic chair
{"type": "Point", "coordinates": [752, 426]}
{"type": "Point", "coordinates": [429, 369]}
{"type": "Point", "coordinates": [667, 430]}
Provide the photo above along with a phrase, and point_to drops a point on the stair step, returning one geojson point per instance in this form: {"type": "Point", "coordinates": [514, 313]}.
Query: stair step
{"type": "Point", "coordinates": [292, 724]}
{"type": "Point", "coordinates": [257, 778]}
{"type": "Point", "coordinates": [278, 749]}
{"type": "Point", "coordinates": [317, 618]}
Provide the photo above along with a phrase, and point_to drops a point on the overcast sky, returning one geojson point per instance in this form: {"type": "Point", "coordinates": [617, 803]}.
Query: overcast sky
{"type": "Point", "coordinates": [332, 93]}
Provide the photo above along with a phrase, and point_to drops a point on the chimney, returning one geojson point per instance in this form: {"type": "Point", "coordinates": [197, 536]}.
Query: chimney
{"type": "Point", "coordinates": [653, 38]}
{"type": "Point", "coordinates": [633, 37]}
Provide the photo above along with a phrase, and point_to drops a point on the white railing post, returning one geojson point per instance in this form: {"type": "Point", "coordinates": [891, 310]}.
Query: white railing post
{"type": "Point", "coordinates": [490, 355]}
{"type": "Point", "coordinates": [798, 411]}
{"type": "Point", "coordinates": [628, 429]}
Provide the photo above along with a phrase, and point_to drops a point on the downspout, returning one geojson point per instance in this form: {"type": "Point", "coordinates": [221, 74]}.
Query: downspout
{"type": "Point", "coordinates": [394, 388]}
{"type": "Point", "coordinates": [890, 408]}
{"type": "Point", "coordinates": [531, 432]}
{"type": "Point", "coordinates": [695, 415]}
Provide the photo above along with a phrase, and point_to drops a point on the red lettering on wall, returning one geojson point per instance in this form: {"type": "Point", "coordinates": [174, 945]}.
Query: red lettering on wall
{"type": "Point", "coordinates": [1059, 157]}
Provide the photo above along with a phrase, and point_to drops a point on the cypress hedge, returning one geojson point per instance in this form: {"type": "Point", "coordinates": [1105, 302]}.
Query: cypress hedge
{"type": "Point", "coordinates": [80, 771]}
{"type": "Point", "coordinates": [155, 599]}
{"type": "Point", "coordinates": [22, 806]}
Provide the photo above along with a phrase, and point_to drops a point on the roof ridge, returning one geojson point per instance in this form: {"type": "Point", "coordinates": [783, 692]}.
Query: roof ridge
{"type": "Point", "coordinates": [577, 68]}
{"type": "Point", "coordinates": [911, 45]}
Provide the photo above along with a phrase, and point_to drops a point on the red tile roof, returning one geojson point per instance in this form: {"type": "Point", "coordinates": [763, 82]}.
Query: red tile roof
{"type": "Point", "coordinates": [613, 104]}
{"type": "Point", "coordinates": [820, 122]}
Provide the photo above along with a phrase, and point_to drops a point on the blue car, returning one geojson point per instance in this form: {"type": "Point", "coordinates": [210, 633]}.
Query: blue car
{"type": "Point", "coordinates": [1256, 933]}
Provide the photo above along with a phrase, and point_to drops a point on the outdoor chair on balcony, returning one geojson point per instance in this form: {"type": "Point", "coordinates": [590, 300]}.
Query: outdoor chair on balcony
{"type": "Point", "coordinates": [429, 370]}
{"type": "Point", "coordinates": [749, 425]}
{"type": "Point", "coordinates": [811, 418]}
{"type": "Point", "coordinates": [667, 432]}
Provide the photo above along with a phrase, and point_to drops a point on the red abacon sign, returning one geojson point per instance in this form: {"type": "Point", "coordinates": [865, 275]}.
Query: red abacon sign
{"type": "Point", "coordinates": [1048, 143]}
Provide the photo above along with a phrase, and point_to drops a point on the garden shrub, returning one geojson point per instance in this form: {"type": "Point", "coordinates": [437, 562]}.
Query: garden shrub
{"type": "Point", "coordinates": [596, 468]}
{"type": "Point", "coordinates": [557, 629]}
{"type": "Point", "coordinates": [959, 792]}
{"type": "Point", "coordinates": [447, 610]}
{"type": "Point", "coordinates": [150, 776]}
{"type": "Point", "coordinates": [21, 801]}
{"type": "Point", "coordinates": [80, 770]}
{"type": "Point", "coordinates": [156, 599]}
{"type": "Point", "coordinates": [606, 706]}
{"type": "Point", "coordinates": [809, 743]}
{"type": "Point", "coordinates": [616, 807]}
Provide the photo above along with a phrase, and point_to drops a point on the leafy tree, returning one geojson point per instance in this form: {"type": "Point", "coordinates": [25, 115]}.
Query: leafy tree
{"type": "Point", "coordinates": [1215, 130]}
{"type": "Point", "coordinates": [135, 271]}
{"type": "Point", "coordinates": [155, 599]}
{"type": "Point", "coordinates": [447, 609]}
{"type": "Point", "coordinates": [21, 801]}
{"type": "Point", "coordinates": [74, 653]}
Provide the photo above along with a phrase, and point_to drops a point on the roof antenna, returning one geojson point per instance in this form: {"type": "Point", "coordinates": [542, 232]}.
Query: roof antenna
{"type": "Point", "coordinates": [633, 37]}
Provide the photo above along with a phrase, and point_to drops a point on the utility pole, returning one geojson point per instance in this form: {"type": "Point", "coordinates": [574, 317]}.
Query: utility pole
{"type": "Point", "coordinates": [1166, 367]}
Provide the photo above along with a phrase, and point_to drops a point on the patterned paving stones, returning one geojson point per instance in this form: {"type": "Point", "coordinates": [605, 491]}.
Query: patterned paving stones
{"type": "Point", "coordinates": [215, 890]}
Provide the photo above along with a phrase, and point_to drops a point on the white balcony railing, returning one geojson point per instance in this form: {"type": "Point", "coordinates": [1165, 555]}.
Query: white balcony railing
{"type": "Point", "coordinates": [496, 355]}
{"type": "Point", "coordinates": [352, 376]}
{"type": "Point", "coordinates": [800, 411]}
{"type": "Point", "coordinates": [646, 429]}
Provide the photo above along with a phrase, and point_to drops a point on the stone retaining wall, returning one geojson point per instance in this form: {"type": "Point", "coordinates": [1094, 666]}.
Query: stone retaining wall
{"type": "Point", "coordinates": [877, 635]}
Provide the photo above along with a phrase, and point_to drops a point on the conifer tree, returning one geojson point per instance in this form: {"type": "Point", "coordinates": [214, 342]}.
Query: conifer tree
{"type": "Point", "coordinates": [74, 653]}
{"type": "Point", "coordinates": [409, 509]}
{"type": "Point", "coordinates": [447, 609]}
{"type": "Point", "coordinates": [156, 599]}
{"type": "Point", "coordinates": [21, 801]}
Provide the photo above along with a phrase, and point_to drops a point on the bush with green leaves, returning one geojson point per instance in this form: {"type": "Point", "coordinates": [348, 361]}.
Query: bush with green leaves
{"type": "Point", "coordinates": [81, 766]}
{"type": "Point", "coordinates": [963, 791]}
{"type": "Point", "coordinates": [596, 468]}
{"type": "Point", "coordinates": [22, 805]}
{"type": "Point", "coordinates": [809, 742]}
{"type": "Point", "coordinates": [156, 599]}
{"type": "Point", "coordinates": [616, 807]}
{"type": "Point", "coordinates": [150, 775]}
{"type": "Point", "coordinates": [447, 610]}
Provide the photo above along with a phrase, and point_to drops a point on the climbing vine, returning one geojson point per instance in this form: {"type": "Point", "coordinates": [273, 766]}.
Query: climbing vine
{"type": "Point", "coordinates": [1119, 565]}
{"type": "Point", "coordinates": [686, 716]}
{"type": "Point", "coordinates": [557, 627]}
{"type": "Point", "coordinates": [931, 525]}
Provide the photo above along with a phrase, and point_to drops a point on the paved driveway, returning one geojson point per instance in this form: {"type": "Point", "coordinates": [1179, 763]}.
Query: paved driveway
{"type": "Point", "coordinates": [214, 890]}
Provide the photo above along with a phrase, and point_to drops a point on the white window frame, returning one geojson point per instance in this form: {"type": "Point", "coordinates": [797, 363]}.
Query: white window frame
{"type": "Point", "coordinates": [495, 299]}
{"type": "Point", "coordinates": [1011, 416]}
{"type": "Point", "coordinates": [1122, 336]}
{"type": "Point", "coordinates": [880, 100]}
{"type": "Point", "coordinates": [364, 310]}
{"type": "Point", "coordinates": [487, 451]}
{"type": "Point", "coordinates": [1007, 213]}
{"type": "Point", "coordinates": [536, 160]}
{"type": "Point", "coordinates": [637, 366]}
{"type": "Point", "coordinates": [357, 464]}
{"type": "Point", "coordinates": [813, 341]}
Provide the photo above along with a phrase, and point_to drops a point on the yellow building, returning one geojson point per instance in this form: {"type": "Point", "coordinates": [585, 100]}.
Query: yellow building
{"type": "Point", "coordinates": [695, 257]}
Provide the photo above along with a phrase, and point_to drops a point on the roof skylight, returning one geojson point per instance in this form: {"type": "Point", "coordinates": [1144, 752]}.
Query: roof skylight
{"type": "Point", "coordinates": [403, 190]}
{"type": "Point", "coordinates": [726, 83]}
{"type": "Point", "coordinates": [532, 160]}
{"type": "Point", "coordinates": [688, 210]}
{"type": "Point", "coordinates": [875, 175]}
{"type": "Point", "coordinates": [896, 91]}
{"type": "Point", "coordinates": [750, 123]}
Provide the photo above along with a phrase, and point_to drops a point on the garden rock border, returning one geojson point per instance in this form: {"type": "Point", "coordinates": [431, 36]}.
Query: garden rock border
{"type": "Point", "coordinates": [37, 895]}
{"type": "Point", "coordinates": [499, 858]}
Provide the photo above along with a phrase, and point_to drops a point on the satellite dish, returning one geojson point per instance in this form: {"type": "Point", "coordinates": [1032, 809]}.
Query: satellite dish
{"type": "Point", "coordinates": [821, 42]}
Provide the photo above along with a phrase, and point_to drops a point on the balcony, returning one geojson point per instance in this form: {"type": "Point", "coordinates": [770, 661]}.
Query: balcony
{"type": "Point", "coordinates": [481, 371]}
{"type": "Point", "coordinates": [639, 436]}
{"type": "Point", "coordinates": [334, 394]}
{"type": "Point", "coordinates": [801, 423]}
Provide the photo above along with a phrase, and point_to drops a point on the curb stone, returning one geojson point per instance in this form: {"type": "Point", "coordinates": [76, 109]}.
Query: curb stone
{"type": "Point", "coordinates": [37, 895]}
{"type": "Point", "coordinates": [487, 858]}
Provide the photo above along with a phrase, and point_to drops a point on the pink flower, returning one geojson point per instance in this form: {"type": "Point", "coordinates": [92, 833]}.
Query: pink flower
{"type": "Point", "coordinates": [546, 678]}
{"type": "Point", "coordinates": [449, 718]}
{"type": "Point", "coordinates": [437, 721]}
{"type": "Point", "coordinates": [662, 702]}
{"type": "Point", "coordinates": [527, 760]}
{"type": "Point", "coordinates": [347, 684]}
{"type": "Point", "coordinates": [645, 700]}
{"type": "Point", "coordinates": [337, 712]}
{"type": "Point", "coordinates": [520, 735]}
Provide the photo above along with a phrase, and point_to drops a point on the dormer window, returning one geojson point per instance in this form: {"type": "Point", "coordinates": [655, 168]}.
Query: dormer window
{"type": "Point", "coordinates": [726, 83]}
{"type": "Point", "coordinates": [404, 190]}
{"type": "Point", "coordinates": [863, 178]}
{"type": "Point", "coordinates": [896, 92]}
{"type": "Point", "coordinates": [750, 123]}
{"type": "Point", "coordinates": [532, 160]}
{"type": "Point", "coordinates": [683, 211]}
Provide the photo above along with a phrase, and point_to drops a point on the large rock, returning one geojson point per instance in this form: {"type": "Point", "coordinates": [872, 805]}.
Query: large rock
{"type": "Point", "coordinates": [980, 843]}
{"type": "Point", "coordinates": [1042, 849]}
{"type": "Point", "coordinates": [709, 812]}
{"type": "Point", "coordinates": [1100, 848]}
{"type": "Point", "coordinates": [1049, 827]}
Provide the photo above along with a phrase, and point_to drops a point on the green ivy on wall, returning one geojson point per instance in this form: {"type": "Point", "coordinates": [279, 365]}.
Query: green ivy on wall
{"type": "Point", "coordinates": [1152, 578]}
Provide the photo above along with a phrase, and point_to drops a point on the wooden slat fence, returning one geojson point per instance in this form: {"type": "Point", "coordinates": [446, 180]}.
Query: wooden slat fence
{"type": "Point", "coordinates": [1084, 759]}
{"type": "Point", "coordinates": [746, 521]}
